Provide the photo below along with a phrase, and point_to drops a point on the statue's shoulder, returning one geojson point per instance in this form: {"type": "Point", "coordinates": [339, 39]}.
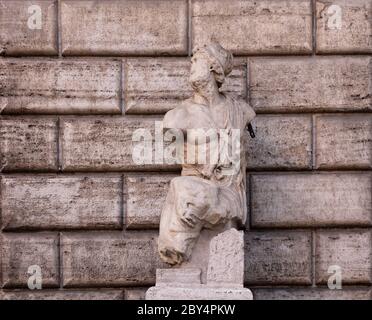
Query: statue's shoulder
{"type": "Point", "coordinates": [188, 115]}
{"type": "Point", "coordinates": [176, 117]}
{"type": "Point", "coordinates": [244, 107]}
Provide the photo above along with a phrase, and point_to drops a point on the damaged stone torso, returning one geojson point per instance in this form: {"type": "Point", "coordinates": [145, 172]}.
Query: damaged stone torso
{"type": "Point", "coordinates": [206, 195]}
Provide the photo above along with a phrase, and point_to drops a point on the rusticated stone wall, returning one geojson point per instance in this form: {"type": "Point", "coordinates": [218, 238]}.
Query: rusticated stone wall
{"type": "Point", "coordinates": [73, 91]}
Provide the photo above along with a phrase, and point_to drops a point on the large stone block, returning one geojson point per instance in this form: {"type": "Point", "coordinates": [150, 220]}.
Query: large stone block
{"type": "Point", "coordinates": [254, 27]}
{"type": "Point", "coordinates": [60, 86]}
{"type": "Point", "coordinates": [158, 85]}
{"type": "Point", "coordinates": [28, 144]}
{"type": "Point", "coordinates": [344, 141]}
{"type": "Point", "coordinates": [124, 27]}
{"type": "Point", "coordinates": [344, 26]}
{"type": "Point", "coordinates": [226, 259]}
{"type": "Point", "coordinates": [109, 259]}
{"type": "Point", "coordinates": [60, 202]}
{"type": "Point", "coordinates": [25, 250]}
{"type": "Point", "coordinates": [311, 200]}
{"type": "Point", "coordinates": [278, 257]}
{"type": "Point", "coordinates": [310, 84]}
{"type": "Point", "coordinates": [92, 144]}
{"type": "Point", "coordinates": [281, 142]}
{"type": "Point", "coordinates": [20, 32]}
{"type": "Point", "coordinates": [348, 250]}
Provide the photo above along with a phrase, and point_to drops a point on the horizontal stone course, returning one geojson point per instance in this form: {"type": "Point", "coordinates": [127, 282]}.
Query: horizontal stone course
{"type": "Point", "coordinates": [311, 200]}
{"type": "Point", "coordinates": [279, 200]}
{"type": "Point", "coordinates": [20, 32]}
{"type": "Point", "coordinates": [323, 84]}
{"type": "Point", "coordinates": [52, 86]}
{"type": "Point", "coordinates": [127, 27]}
{"type": "Point", "coordinates": [60, 202]}
{"type": "Point", "coordinates": [91, 144]}
{"type": "Point", "coordinates": [254, 27]}
{"type": "Point", "coordinates": [28, 144]}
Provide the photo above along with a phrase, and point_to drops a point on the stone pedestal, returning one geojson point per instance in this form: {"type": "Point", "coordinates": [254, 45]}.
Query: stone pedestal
{"type": "Point", "coordinates": [218, 276]}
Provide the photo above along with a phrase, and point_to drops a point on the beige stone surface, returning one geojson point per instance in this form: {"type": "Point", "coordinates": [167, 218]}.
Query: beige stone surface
{"type": "Point", "coordinates": [349, 249]}
{"type": "Point", "coordinates": [281, 142]}
{"type": "Point", "coordinates": [107, 259]}
{"type": "Point", "coordinates": [344, 142]}
{"type": "Point", "coordinates": [20, 251]}
{"type": "Point", "coordinates": [127, 27]}
{"type": "Point", "coordinates": [16, 38]}
{"type": "Point", "coordinates": [105, 294]}
{"type": "Point", "coordinates": [53, 86]}
{"type": "Point", "coordinates": [310, 84]}
{"type": "Point", "coordinates": [311, 200]}
{"type": "Point", "coordinates": [138, 189]}
{"type": "Point", "coordinates": [280, 257]}
{"type": "Point", "coordinates": [159, 85]}
{"type": "Point", "coordinates": [28, 144]}
{"type": "Point", "coordinates": [60, 202]}
{"type": "Point", "coordinates": [254, 27]}
{"type": "Point", "coordinates": [312, 294]}
{"type": "Point", "coordinates": [354, 34]}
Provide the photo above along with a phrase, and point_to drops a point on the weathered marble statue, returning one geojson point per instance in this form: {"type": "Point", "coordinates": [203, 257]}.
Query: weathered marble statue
{"type": "Point", "coordinates": [210, 195]}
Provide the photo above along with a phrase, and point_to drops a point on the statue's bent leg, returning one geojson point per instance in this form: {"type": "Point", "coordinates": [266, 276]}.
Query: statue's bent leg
{"type": "Point", "coordinates": [191, 204]}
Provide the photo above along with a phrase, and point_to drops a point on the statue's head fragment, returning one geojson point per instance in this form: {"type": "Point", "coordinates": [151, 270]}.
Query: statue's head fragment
{"type": "Point", "coordinates": [210, 60]}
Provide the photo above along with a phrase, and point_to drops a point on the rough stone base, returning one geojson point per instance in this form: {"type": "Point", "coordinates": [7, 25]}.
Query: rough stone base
{"type": "Point", "coordinates": [203, 292]}
{"type": "Point", "coordinates": [214, 274]}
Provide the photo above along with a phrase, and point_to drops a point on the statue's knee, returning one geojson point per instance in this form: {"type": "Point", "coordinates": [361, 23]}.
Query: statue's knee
{"type": "Point", "coordinates": [189, 215]}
